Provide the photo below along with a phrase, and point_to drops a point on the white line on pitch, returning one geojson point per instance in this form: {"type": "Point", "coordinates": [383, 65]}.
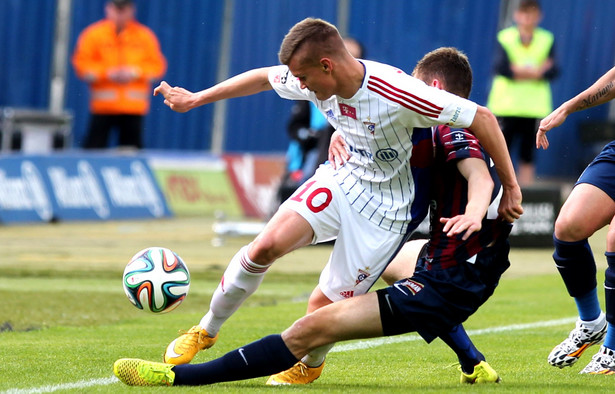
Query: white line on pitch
{"type": "Point", "coordinates": [366, 344]}
{"type": "Point", "coordinates": [66, 386]}
{"type": "Point", "coordinates": [369, 343]}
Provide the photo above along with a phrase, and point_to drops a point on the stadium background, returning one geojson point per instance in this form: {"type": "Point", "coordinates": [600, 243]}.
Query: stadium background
{"type": "Point", "coordinates": [205, 41]}
{"type": "Point", "coordinates": [56, 279]}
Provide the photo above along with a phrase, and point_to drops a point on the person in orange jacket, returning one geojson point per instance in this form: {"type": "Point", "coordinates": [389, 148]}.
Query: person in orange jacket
{"type": "Point", "coordinates": [119, 58]}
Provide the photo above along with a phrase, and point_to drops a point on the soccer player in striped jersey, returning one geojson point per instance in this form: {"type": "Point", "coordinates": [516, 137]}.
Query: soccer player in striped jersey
{"type": "Point", "coordinates": [370, 203]}
{"type": "Point", "coordinates": [466, 254]}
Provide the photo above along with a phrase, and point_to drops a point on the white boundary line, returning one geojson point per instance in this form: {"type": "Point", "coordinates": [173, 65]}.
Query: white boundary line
{"type": "Point", "coordinates": [66, 386]}
{"type": "Point", "coordinates": [371, 343]}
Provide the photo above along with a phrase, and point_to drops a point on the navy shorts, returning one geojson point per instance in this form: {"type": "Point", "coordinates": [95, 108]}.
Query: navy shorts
{"type": "Point", "coordinates": [601, 171]}
{"type": "Point", "coordinates": [432, 302]}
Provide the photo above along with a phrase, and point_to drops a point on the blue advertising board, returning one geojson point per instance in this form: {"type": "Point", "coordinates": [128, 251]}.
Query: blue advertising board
{"type": "Point", "coordinates": [78, 187]}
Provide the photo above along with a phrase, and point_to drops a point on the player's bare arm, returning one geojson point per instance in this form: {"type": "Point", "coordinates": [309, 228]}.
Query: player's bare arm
{"type": "Point", "coordinates": [486, 128]}
{"type": "Point", "coordinates": [245, 84]}
{"type": "Point", "coordinates": [602, 91]}
{"type": "Point", "coordinates": [480, 187]}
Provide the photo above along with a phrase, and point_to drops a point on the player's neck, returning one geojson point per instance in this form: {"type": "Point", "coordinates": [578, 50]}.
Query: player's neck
{"type": "Point", "coordinates": [352, 74]}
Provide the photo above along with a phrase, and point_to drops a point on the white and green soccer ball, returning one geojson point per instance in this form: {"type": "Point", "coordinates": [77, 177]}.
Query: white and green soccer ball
{"type": "Point", "coordinates": [156, 280]}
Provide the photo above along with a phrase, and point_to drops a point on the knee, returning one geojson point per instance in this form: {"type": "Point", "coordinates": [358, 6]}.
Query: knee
{"type": "Point", "coordinates": [570, 230]}
{"type": "Point", "coordinates": [264, 249]}
{"type": "Point", "coordinates": [301, 336]}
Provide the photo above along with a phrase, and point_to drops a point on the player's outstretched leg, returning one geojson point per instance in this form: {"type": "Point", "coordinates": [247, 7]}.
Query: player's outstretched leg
{"type": "Point", "coordinates": [483, 373]}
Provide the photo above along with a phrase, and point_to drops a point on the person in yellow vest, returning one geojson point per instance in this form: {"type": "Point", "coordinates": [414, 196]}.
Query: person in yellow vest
{"type": "Point", "coordinates": [521, 92]}
{"type": "Point", "coordinates": [119, 58]}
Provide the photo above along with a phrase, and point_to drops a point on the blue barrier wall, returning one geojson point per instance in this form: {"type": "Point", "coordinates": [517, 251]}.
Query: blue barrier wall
{"type": "Point", "coordinates": [394, 31]}
{"type": "Point", "coordinates": [78, 187]}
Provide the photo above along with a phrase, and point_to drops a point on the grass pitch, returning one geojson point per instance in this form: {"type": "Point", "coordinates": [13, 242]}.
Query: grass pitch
{"type": "Point", "coordinates": [64, 318]}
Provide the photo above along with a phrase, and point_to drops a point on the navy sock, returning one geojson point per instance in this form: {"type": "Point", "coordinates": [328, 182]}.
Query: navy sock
{"type": "Point", "coordinates": [264, 357]}
{"type": "Point", "coordinates": [458, 340]}
{"type": "Point", "coordinates": [575, 263]}
{"type": "Point", "coordinates": [588, 305]}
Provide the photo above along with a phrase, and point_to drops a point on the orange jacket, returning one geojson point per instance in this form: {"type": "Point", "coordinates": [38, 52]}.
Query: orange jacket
{"type": "Point", "coordinates": [100, 50]}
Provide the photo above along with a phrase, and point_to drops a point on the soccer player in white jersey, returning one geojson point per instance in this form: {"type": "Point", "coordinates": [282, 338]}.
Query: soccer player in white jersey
{"type": "Point", "coordinates": [369, 204]}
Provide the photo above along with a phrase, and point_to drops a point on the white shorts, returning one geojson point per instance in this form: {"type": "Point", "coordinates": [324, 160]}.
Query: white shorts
{"type": "Point", "coordinates": [362, 250]}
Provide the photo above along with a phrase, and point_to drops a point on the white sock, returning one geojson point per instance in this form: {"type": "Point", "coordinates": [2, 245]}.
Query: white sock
{"type": "Point", "coordinates": [241, 278]}
{"type": "Point", "coordinates": [597, 323]}
{"type": "Point", "coordinates": [317, 356]}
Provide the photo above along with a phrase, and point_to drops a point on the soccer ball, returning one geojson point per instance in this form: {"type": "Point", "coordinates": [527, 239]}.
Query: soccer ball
{"type": "Point", "coordinates": [156, 280]}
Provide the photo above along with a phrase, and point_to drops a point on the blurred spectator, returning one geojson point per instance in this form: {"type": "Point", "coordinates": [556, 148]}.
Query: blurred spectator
{"type": "Point", "coordinates": [521, 91]}
{"type": "Point", "coordinates": [310, 134]}
{"type": "Point", "coordinates": [119, 58]}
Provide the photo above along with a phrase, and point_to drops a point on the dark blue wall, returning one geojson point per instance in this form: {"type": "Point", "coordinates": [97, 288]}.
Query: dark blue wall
{"type": "Point", "coordinates": [398, 32]}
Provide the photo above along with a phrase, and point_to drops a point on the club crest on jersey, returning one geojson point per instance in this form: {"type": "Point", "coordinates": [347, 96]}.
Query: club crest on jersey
{"type": "Point", "coordinates": [349, 111]}
{"type": "Point", "coordinates": [411, 285]}
{"type": "Point", "coordinates": [371, 126]}
{"type": "Point", "coordinates": [361, 277]}
{"type": "Point", "coordinates": [347, 293]}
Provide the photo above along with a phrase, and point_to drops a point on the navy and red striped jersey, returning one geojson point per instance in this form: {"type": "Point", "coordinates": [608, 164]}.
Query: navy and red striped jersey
{"type": "Point", "coordinates": [450, 196]}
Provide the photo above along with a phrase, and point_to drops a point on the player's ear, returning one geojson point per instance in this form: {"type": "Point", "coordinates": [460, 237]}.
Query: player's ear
{"type": "Point", "coordinates": [437, 84]}
{"type": "Point", "coordinates": [326, 64]}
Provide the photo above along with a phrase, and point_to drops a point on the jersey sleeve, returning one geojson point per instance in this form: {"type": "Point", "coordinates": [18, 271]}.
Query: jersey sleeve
{"type": "Point", "coordinates": [429, 106]}
{"type": "Point", "coordinates": [286, 85]}
{"type": "Point", "coordinates": [454, 111]}
{"type": "Point", "coordinates": [458, 144]}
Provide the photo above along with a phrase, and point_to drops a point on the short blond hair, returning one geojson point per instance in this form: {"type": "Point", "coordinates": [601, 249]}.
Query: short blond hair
{"type": "Point", "coordinates": [321, 38]}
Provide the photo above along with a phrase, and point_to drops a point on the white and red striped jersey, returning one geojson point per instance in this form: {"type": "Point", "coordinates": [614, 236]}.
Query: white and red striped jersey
{"type": "Point", "coordinates": [377, 124]}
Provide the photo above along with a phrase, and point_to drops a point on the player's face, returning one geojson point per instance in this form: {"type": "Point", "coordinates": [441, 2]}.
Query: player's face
{"type": "Point", "coordinates": [315, 78]}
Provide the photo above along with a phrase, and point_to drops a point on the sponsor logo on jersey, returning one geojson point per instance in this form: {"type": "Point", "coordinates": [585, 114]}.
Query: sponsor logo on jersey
{"type": "Point", "coordinates": [411, 285]}
{"type": "Point", "coordinates": [387, 154]}
{"type": "Point", "coordinates": [360, 151]}
{"type": "Point", "coordinates": [455, 115]}
{"type": "Point", "coordinates": [281, 78]}
{"type": "Point", "coordinates": [349, 111]}
{"type": "Point", "coordinates": [330, 114]}
{"type": "Point", "coordinates": [347, 293]}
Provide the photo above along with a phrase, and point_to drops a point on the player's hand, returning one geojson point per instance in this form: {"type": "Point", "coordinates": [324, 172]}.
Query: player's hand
{"type": "Point", "coordinates": [338, 152]}
{"type": "Point", "coordinates": [554, 119]}
{"type": "Point", "coordinates": [466, 224]}
{"type": "Point", "coordinates": [176, 98]}
{"type": "Point", "coordinates": [510, 208]}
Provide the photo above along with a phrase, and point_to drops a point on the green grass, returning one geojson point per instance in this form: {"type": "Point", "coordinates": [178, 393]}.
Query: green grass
{"type": "Point", "coordinates": [64, 318]}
